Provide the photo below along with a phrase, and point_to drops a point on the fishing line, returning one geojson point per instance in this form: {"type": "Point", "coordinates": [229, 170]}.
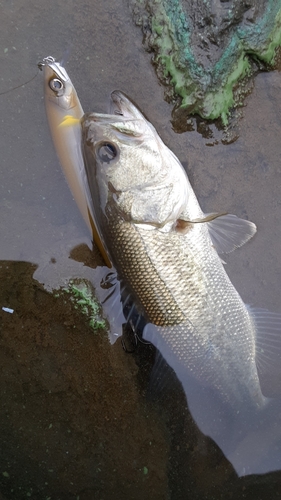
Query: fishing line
{"type": "Point", "coordinates": [66, 54]}
{"type": "Point", "coordinates": [22, 85]}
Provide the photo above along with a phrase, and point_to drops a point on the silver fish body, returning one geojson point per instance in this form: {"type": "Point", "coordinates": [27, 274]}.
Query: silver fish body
{"type": "Point", "coordinates": [176, 278]}
{"type": "Point", "coordinates": [165, 250]}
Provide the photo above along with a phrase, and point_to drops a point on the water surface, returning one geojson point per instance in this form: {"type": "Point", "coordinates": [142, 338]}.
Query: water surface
{"type": "Point", "coordinates": [75, 421]}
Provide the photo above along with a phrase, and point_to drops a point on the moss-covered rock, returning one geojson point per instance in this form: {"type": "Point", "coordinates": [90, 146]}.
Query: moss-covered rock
{"type": "Point", "coordinates": [203, 49]}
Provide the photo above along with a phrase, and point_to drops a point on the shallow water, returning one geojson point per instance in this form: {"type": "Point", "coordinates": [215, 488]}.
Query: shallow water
{"type": "Point", "coordinates": [74, 419]}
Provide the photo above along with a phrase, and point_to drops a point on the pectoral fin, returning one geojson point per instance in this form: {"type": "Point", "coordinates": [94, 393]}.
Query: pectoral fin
{"type": "Point", "coordinates": [228, 232]}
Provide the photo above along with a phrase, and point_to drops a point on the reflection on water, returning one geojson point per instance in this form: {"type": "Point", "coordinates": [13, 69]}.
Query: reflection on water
{"type": "Point", "coordinates": [73, 407]}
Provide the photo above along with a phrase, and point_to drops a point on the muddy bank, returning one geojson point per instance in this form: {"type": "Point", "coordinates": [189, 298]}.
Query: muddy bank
{"type": "Point", "coordinates": [81, 419]}
{"type": "Point", "coordinates": [73, 423]}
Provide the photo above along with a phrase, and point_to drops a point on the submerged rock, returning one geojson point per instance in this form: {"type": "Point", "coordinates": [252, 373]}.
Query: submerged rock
{"type": "Point", "coordinates": [205, 51]}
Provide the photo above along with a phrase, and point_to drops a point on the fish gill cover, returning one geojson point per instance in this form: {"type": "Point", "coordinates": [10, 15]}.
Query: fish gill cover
{"type": "Point", "coordinates": [204, 50]}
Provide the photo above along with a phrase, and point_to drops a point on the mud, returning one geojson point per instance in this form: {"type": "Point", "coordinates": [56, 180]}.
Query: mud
{"type": "Point", "coordinates": [73, 423]}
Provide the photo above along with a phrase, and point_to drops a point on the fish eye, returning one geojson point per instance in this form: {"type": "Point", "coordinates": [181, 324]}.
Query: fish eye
{"type": "Point", "coordinates": [107, 151]}
{"type": "Point", "coordinates": [55, 84]}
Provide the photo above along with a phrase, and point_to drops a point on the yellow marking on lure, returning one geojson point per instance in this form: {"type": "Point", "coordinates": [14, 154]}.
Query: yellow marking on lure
{"type": "Point", "coordinates": [68, 121]}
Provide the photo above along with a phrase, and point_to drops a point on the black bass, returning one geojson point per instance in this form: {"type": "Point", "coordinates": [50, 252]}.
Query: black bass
{"type": "Point", "coordinates": [165, 251]}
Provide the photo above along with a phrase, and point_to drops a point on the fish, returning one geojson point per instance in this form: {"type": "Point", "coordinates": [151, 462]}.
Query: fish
{"type": "Point", "coordinates": [166, 253]}
{"type": "Point", "coordinates": [64, 112]}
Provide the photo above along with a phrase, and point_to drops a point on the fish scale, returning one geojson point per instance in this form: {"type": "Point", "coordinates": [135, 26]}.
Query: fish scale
{"type": "Point", "coordinates": [172, 290]}
{"type": "Point", "coordinates": [153, 297]}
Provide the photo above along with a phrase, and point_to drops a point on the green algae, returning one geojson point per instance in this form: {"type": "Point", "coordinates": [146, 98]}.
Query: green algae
{"type": "Point", "coordinates": [201, 61]}
{"type": "Point", "coordinates": [82, 295]}
{"type": "Point", "coordinates": [217, 104]}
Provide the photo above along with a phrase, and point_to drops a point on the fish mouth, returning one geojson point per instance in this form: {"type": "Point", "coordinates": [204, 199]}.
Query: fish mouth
{"type": "Point", "coordinates": [101, 118]}
{"type": "Point", "coordinates": [121, 108]}
{"type": "Point", "coordinates": [121, 104]}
